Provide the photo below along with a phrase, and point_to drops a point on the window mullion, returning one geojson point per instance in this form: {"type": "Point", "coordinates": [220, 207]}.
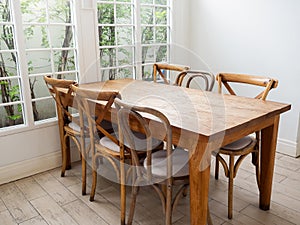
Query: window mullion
{"type": "Point", "coordinates": [23, 68]}
{"type": "Point", "coordinates": [169, 27]}
{"type": "Point", "coordinates": [138, 40]}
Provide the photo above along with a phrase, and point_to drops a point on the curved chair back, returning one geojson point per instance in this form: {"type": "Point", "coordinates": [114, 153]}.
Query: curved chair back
{"type": "Point", "coordinates": [160, 68]}
{"type": "Point", "coordinates": [134, 116]}
{"type": "Point", "coordinates": [202, 79]}
{"type": "Point", "coordinates": [95, 106]}
{"type": "Point", "coordinates": [58, 87]}
{"type": "Point", "coordinates": [227, 78]}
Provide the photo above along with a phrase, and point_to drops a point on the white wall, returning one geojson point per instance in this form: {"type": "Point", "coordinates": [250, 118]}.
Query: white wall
{"type": "Point", "coordinates": [32, 149]}
{"type": "Point", "coordinates": [251, 36]}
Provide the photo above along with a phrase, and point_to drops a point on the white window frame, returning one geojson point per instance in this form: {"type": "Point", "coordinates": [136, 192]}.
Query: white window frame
{"type": "Point", "coordinates": [88, 56]}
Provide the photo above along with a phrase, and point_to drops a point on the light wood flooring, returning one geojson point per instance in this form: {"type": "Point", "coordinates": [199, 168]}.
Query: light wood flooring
{"type": "Point", "coordinates": [47, 198]}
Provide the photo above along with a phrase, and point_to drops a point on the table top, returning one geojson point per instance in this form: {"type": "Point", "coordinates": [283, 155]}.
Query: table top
{"type": "Point", "coordinates": [206, 113]}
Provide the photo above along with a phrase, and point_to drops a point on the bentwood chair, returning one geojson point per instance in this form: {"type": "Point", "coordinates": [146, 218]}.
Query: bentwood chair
{"type": "Point", "coordinates": [162, 68]}
{"type": "Point", "coordinates": [164, 168]}
{"type": "Point", "coordinates": [96, 106]}
{"type": "Point", "coordinates": [70, 124]}
{"type": "Point", "coordinates": [108, 145]}
{"type": "Point", "coordinates": [196, 79]}
{"type": "Point", "coordinates": [248, 144]}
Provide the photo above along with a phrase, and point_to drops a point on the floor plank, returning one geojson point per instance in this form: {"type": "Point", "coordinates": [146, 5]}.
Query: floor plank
{"type": "Point", "coordinates": [16, 203]}
{"type": "Point", "coordinates": [48, 199]}
{"type": "Point", "coordinates": [52, 212]}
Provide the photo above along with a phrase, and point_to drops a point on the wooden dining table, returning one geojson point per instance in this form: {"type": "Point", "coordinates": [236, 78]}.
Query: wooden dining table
{"type": "Point", "coordinates": [202, 122]}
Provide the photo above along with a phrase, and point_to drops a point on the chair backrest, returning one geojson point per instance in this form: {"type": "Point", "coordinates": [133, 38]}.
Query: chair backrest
{"type": "Point", "coordinates": [95, 106]}
{"type": "Point", "coordinates": [147, 120]}
{"type": "Point", "coordinates": [202, 79]}
{"type": "Point", "coordinates": [57, 88]}
{"type": "Point", "coordinates": [160, 68]}
{"type": "Point", "coordinates": [265, 82]}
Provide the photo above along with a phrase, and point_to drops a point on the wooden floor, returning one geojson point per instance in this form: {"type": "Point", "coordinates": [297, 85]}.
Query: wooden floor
{"type": "Point", "coordinates": [47, 198]}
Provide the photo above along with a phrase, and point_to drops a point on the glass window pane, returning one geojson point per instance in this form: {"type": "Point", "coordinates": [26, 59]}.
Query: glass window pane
{"type": "Point", "coordinates": [38, 61]}
{"type": "Point", "coordinates": [161, 54]}
{"type": "Point", "coordinates": [106, 36]}
{"type": "Point", "coordinates": [147, 35]}
{"type": "Point", "coordinates": [124, 35]}
{"type": "Point", "coordinates": [146, 15]}
{"type": "Point", "coordinates": [11, 115]}
{"type": "Point", "coordinates": [125, 73]}
{"type": "Point", "coordinates": [67, 76]}
{"type": "Point", "coordinates": [107, 57]}
{"type": "Point", "coordinates": [64, 60]}
{"type": "Point", "coordinates": [106, 14]}
{"type": "Point", "coordinates": [148, 54]}
{"type": "Point", "coordinates": [147, 72]}
{"type": "Point", "coordinates": [59, 11]}
{"type": "Point", "coordinates": [109, 74]}
{"type": "Point", "coordinates": [10, 91]}
{"type": "Point", "coordinates": [8, 64]}
{"type": "Point", "coordinates": [161, 2]}
{"type": "Point", "coordinates": [146, 1]}
{"type": "Point", "coordinates": [125, 56]}
{"type": "Point", "coordinates": [38, 86]}
{"type": "Point", "coordinates": [161, 15]}
{"type": "Point", "coordinates": [5, 11]}
{"type": "Point", "coordinates": [6, 37]}
{"type": "Point", "coordinates": [34, 11]}
{"type": "Point", "coordinates": [123, 14]}
{"type": "Point", "coordinates": [44, 109]}
{"type": "Point", "coordinates": [161, 35]}
{"type": "Point", "coordinates": [36, 36]}
{"type": "Point", "coordinates": [61, 36]}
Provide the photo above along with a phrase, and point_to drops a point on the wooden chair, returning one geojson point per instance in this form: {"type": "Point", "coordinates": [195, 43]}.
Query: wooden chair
{"type": "Point", "coordinates": [203, 80]}
{"type": "Point", "coordinates": [70, 124]}
{"type": "Point", "coordinates": [164, 168]}
{"type": "Point", "coordinates": [245, 145]}
{"type": "Point", "coordinates": [160, 68]}
{"type": "Point", "coordinates": [108, 146]}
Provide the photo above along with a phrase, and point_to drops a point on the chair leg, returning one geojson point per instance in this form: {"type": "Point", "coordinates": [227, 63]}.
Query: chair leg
{"type": "Point", "coordinates": [255, 161]}
{"type": "Point", "coordinates": [68, 153]}
{"type": "Point", "coordinates": [64, 156]}
{"type": "Point", "coordinates": [134, 192]}
{"type": "Point", "coordinates": [93, 190]}
{"type": "Point", "coordinates": [185, 191]}
{"type": "Point", "coordinates": [230, 186]}
{"type": "Point", "coordinates": [217, 168]}
{"type": "Point", "coordinates": [83, 171]}
{"type": "Point", "coordinates": [168, 220]}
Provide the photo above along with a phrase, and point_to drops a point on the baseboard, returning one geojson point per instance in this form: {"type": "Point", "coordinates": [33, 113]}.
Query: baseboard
{"type": "Point", "coordinates": [287, 147]}
{"type": "Point", "coordinates": [29, 167]}
{"type": "Point", "coordinates": [50, 161]}
{"type": "Point", "coordinates": [32, 166]}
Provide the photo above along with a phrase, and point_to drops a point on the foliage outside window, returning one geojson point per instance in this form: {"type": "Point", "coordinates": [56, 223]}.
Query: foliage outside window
{"type": "Point", "coordinates": [155, 29]}
{"type": "Point", "coordinates": [127, 44]}
{"type": "Point", "coordinates": [11, 103]}
{"type": "Point", "coordinates": [49, 49]}
{"type": "Point", "coordinates": [116, 42]}
{"type": "Point", "coordinates": [121, 37]}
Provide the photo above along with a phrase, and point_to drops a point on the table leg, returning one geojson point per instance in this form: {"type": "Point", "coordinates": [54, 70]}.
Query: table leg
{"type": "Point", "coordinates": [268, 149]}
{"type": "Point", "coordinates": [199, 184]}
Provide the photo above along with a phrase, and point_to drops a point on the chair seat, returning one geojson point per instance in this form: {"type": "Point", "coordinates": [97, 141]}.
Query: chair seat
{"type": "Point", "coordinates": [180, 163]}
{"type": "Point", "coordinates": [239, 144]}
{"type": "Point", "coordinates": [74, 126]}
{"type": "Point", "coordinates": [140, 142]}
